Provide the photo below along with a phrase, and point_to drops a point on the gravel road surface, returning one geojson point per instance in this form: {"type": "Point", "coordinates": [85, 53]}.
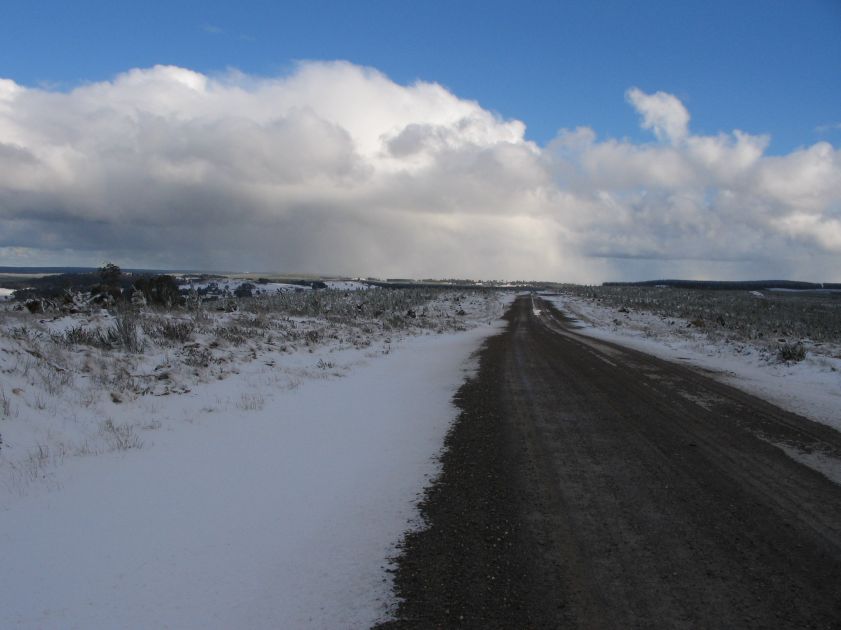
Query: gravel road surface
{"type": "Point", "coordinates": [587, 485]}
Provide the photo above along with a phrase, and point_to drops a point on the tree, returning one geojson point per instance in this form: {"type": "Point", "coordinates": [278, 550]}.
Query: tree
{"type": "Point", "coordinates": [110, 275]}
{"type": "Point", "coordinates": [244, 290]}
{"type": "Point", "coordinates": [161, 290]}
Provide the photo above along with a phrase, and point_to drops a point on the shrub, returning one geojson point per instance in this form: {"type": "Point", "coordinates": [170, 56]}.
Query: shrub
{"type": "Point", "coordinates": [54, 378]}
{"type": "Point", "coordinates": [197, 356]}
{"type": "Point", "coordinates": [110, 275]}
{"type": "Point", "coordinates": [171, 330]}
{"type": "Point", "coordinates": [120, 437]}
{"type": "Point", "coordinates": [816, 316]}
{"type": "Point", "coordinates": [124, 332]}
{"type": "Point", "coordinates": [244, 290]}
{"type": "Point", "coordinates": [233, 334]}
{"type": "Point", "coordinates": [792, 352]}
{"type": "Point", "coordinates": [5, 405]}
{"type": "Point", "coordinates": [160, 290]}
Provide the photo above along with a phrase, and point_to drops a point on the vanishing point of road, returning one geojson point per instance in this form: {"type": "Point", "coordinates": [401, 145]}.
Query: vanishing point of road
{"type": "Point", "coordinates": [587, 485]}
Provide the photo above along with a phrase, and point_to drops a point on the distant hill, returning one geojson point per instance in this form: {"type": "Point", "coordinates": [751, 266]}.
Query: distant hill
{"type": "Point", "coordinates": [35, 270]}
{"type": "Point", "coordinates": [72, 270]}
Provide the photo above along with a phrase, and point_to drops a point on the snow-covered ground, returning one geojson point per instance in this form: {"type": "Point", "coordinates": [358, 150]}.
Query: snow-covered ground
{"type": "Point", "coordinates": [5, 294]}
{"type": "Point", "coordinates": [229, 285]}
{"type": "Point", "coordinates": [220, 482]}
{"type": "Point", "coordinates": [811, 387]}
{"type": "Point", "coordinates": [347, 285]}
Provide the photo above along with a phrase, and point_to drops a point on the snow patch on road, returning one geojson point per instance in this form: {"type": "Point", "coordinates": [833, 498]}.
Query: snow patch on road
{"type": "Point", "coordinates": [811, 388]}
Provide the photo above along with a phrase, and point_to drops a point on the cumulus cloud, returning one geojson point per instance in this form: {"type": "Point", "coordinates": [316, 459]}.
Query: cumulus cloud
{"type": "Point", "coordinates": [664, 114]}
{"type": "Point", "coordinates": [336, 168]}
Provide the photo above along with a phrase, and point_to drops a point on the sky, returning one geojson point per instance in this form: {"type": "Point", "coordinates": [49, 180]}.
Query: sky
{"type": "Point", "coordinates": [570, 141]}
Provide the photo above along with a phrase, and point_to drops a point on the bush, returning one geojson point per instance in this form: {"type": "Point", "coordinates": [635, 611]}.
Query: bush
{"type": "Point", "coordinates": [79, 335]}
{"type": "Point", "coordinates": [244, 290]}
{"type": "Point", "coordinates": [160, 290]}
{"type": "Point", "coordinates": [5, 406]}
{"type": "Point", "coordinates": [124, 332]}
{"type": "Point", "coordinates": [792, 352]}
{"type": "Point", "coordinates": [121, 437]}
{"type": "Point", "coordinates": [171, 330]}
{"type": "Point", "coordinates": [233, 334]}
{"type": "Point", "coordinates": [110, 275]}
{"type": "Point", "coordinates": [772, 315]}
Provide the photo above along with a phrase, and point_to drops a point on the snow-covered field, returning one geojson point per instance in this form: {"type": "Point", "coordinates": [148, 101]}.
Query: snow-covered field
{"type": "Point", "coordinates": [811, 387]}
{"type": "Point", "coordinates": [248, 469]}
{"type": "Point", "coordinates": [347, 285]}
{"type": "Point", "coordinates": [229, 285]}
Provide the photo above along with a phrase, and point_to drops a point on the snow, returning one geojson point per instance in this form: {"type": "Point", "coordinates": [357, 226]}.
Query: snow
{"type": "Point", "coordinates": [273, 497]}
{"type": "Point", "coordinates": [229, 285]}
{"type": "Point", "coordinates": [5, 294]}
{"type": "Point", "coordinates": [811, 388]}
{"type": "Point", "coordinates": [347, 285]}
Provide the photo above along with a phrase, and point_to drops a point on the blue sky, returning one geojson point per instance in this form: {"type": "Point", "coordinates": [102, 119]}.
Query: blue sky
{"type": "Point", "coordinates": [576, 141]}
{"type": "Point", "coordinates": [763, 66]}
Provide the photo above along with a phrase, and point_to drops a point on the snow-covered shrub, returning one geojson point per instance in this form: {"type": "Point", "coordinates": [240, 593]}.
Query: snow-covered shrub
{"type": "Point", "coordinates": [120, 437]}
{"type": "Point", "coordinates": [124, 331]}
{"type": "Point", "coordinates": [159, 290]}
{"type": "Point", "coordinates": [196, 356]}
{"type": "Point", "coordinates": [791, 352]}
{"type": "Point", "coordinates": [233, 334]}
{"type": "Point", "coordinates": [5, 405]}
{"type": "Point", "coordinates": [170, 331]}
{"type": "Point", "coordinates": [53, 378]}
{"type": "Point", "coordinates": [769, 315]}
{"type": "Point", "coordinates": [80, 335]}
{"type": "Point", "coordinates": [64, 373]}
{"type": "Point", "coordinates": [251, 402]}
{"type": "Point", "coordinates": [244, 290]}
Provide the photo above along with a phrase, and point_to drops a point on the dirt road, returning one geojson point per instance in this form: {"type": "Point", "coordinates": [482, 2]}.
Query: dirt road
{"type": "Point", "coordinates": [588, 485]}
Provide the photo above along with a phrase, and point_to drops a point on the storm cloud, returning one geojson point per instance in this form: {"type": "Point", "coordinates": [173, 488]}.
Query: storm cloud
{"type": "Point", "coordinates": [335, 168]}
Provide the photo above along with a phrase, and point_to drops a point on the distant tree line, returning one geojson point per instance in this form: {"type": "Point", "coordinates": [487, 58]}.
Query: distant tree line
{"type": "Point", "coordinates": [729, 285]}
{"type": "Point", "coordinates": [110, 280]}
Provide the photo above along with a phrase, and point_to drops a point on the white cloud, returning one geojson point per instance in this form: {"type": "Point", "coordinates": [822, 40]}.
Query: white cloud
{"type": "Point", "coordinates": [828, 128]}
{"type": "Point", "coordinates": [664, 114]}
{"type": "Point", "coordinates": [336, 168]}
